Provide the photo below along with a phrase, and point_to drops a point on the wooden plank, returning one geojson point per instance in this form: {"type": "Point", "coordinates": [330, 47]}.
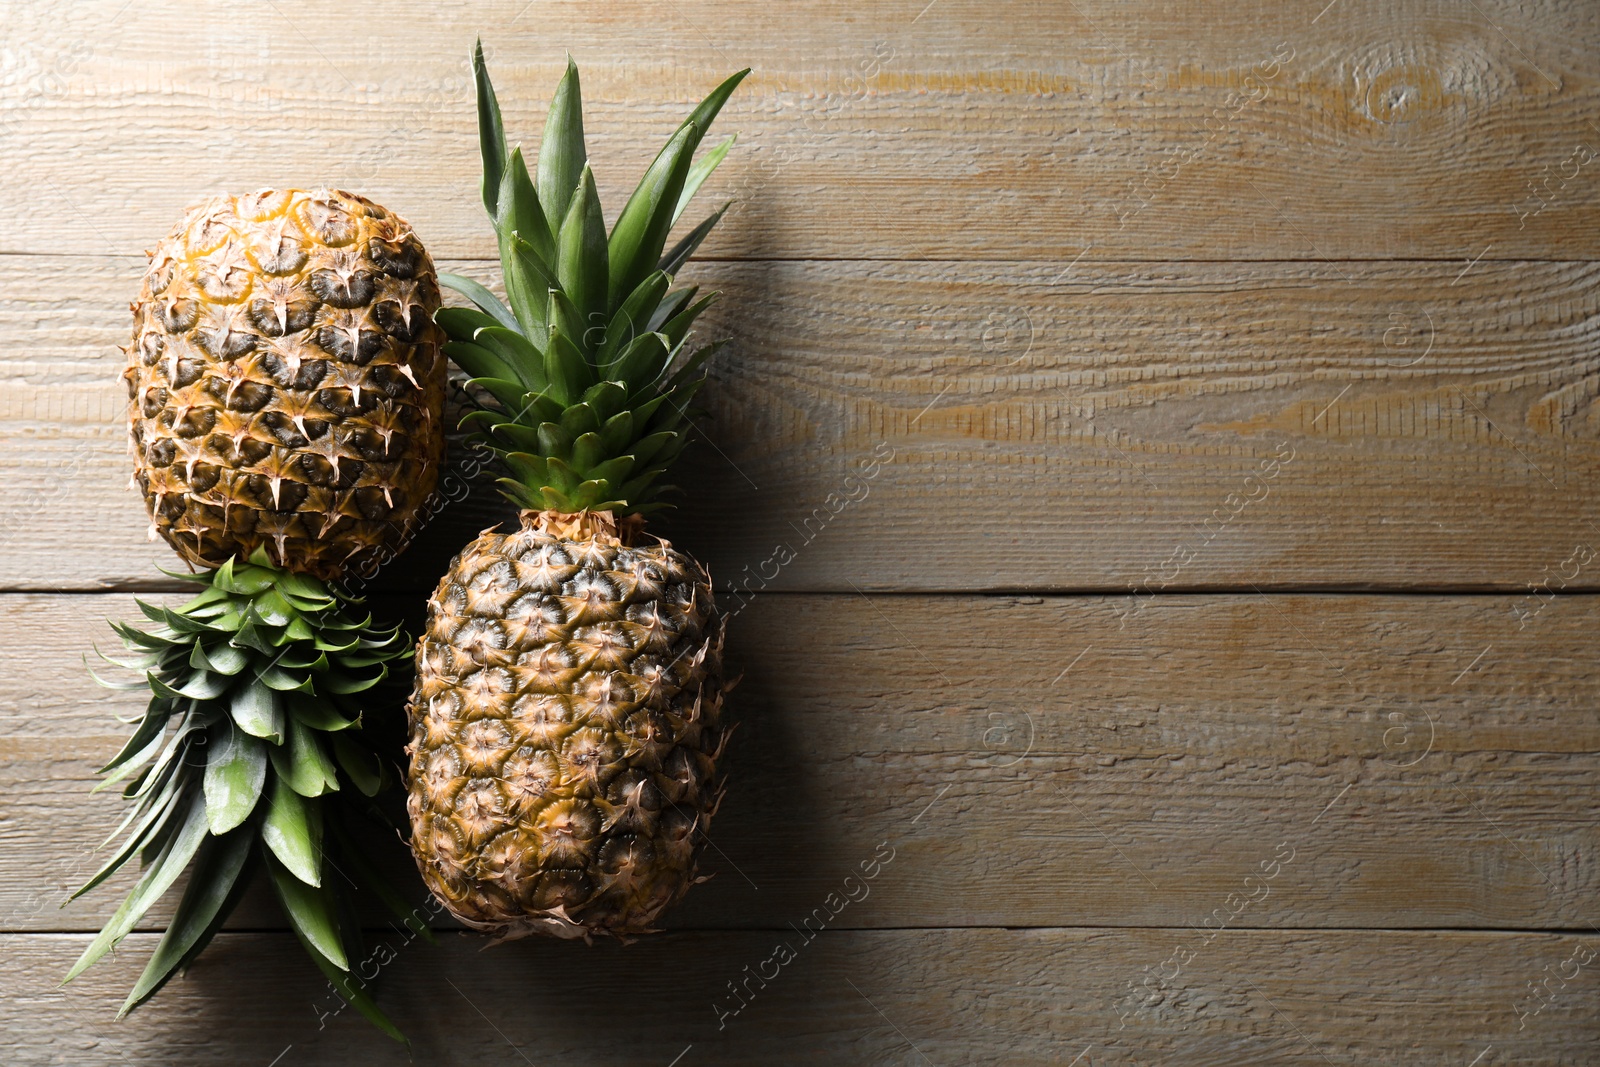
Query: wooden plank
{"type": "Point", "coordinates": [885, 997]}
{"type": "Point", "coordinates": [1031, 130]}
{"type": "Point", "coordinates": [1033, 762]}
{"type": "Point", "coordinates": [1180, 426]}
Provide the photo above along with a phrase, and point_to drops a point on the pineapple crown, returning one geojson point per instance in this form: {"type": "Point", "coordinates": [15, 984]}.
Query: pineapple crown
{"type": "Point", "coordinates": [588, 369]}
{"type": "Point", "coordinates": [243, 758]}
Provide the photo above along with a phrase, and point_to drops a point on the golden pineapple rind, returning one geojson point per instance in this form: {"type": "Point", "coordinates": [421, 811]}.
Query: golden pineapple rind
{"type": "Point", "coordinates": [565, 728]}
{"type": "Point", "coordinates": [285, 380]}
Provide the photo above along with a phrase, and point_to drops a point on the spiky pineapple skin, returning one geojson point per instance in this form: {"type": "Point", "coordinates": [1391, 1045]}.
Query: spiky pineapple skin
{"type": "Point", "coordinates": [285, 381]}
{"type": "Point", "coordinates": [565, 728]}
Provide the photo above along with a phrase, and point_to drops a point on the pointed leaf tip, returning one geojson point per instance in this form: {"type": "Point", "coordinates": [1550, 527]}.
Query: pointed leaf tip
{"type": "Point", "coordinates": [582, 263]}
{"type": "Point", "coordinates": [700, 172]}
{"type": "Point", "coordinates": [562, 154]}
{"type": "Point", "coordinates": [491, 132]}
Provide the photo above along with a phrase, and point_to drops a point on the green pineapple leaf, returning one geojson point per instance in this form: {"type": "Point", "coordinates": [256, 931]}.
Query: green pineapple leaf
{"type": "Point", "coordinates": [516, 437]}
{"type": "Point", "coordinates": [362, 767]}
{"type": "Point", "coordinates": [655, 203]}
{"type": "Point", "coordinates": [155, 815]}
{"type": "Point", "coordinates": [679, 254]}
{"type": "Point", "coordinates": [320, 714]}
{"type": "Point", "coordinates": [517, 354]}
{"type": "Point", "coordinates": [136, 762]}
{"type": "Point", "coordinates": [631, 490]}
{"type": "Point", "coordinates": [706, 113]}
{"type": "Point", "coordinates": [175, 854]}
{"type": "Point", "coordinates": [258, 711]}
{"type": "Point", "coordinates": [528, 466]}
{"type": "Point", "coordinates": [528, 280]}
{"type": "Point", "coordinates": [480, 360]}
{"type": "Point", "coordinates": [650, 447]}
{"type": "Point", "coordinates": [486, 301]}
{"type": "Point", "coordinates": [304, 586]}
{"type": "Point", "coordinates": [580, 418]}
{"type": "Point", "coordinates": [642, 362]}
{"type": "Point", "coordinates": [566, 319]}
{"type": "Point", "coordinates": [242, 578]}
{"type": "Point", "coordinates": [587, 452]}
{"type": "Point", "coordinates": [555, 440]}
{"type": "Point", "coordinates": [566, 368]}
{"type": "Point", "coordinates": [346, 683]}
{"type": "Point", "coordinates": [293, 831]}
{"type": "Point", "coordinates": [631, 319]}
{"type": "Point", "coordinates": [699, 173]}
{"type": "Point", "coordinates": [562, 154]}
{"type": "Point", "coordinates": [275, 677]}
{"type": "Point", "coordinates": [220, 658]}
{"type": "Point", "coordinates": [673, 303]}
{"type": "Point", "coordinates": [198, 685]}
{"type": "Point", "coordinates": [518, 491]}
{"type": "Point", "coordinates": [617, 432]}
{"type": "Point", "coordinates": [520, 211]}
{"type": "Point", "coordinates": [612, 471]}
{"type": "Point", "coordinates": [463, 324]}
{"type": "Point", "coordinates": [195, 766]}
{"type": "Point", "coordinates": [354, 857]}
{"type": "Point", "coordinates": [677, 327]}
{"type": "Point", "coordinates": [353, 994]}
{"type": "Point", "coordinates": [309, 912]}
{"type": "Point", "coordinates": [302, 763]}
{"type": "Point", "coordinates": [151, 724]}
{"type": "Point", "coordinates": [509, 393]}
{"type": "Point", "coordinates": [491, 132]}
{"type": "Point", "coordinates": [642, 227]}
{"type": "Point", "coordinates": [563, 479]}
{"type": "Point", "coordinates": [206, 902]}
{"type": "Point", "coordinates": [236, 768]}
{"type": "Point", "coordinates": [692, 365]}
{"type": "Point", "coordinates": [572, 375]}
{"type": "Point", "coordinates": [304, 659]}
{"type": "Point", "coordinates": [272, 609]}
{"type": "Point", "coordinates": [582, 261]}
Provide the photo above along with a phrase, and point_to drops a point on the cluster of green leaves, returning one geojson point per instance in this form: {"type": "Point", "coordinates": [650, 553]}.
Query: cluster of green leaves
{"type": "Point", "coordinates": [588, 368]}
{"type": "Point", "coordinates": [249, 755]}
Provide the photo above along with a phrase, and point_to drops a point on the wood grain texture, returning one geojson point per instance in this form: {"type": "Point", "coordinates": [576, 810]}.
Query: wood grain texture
{"type": "Point", "coordinates": [1025, 998]}
{"type": "Point", "coordinates": [1102, 429]}
{"type": "Point", "coordinates": [1103, 301]}
{"type": "Point", "coordinates": [1030, 130]}
{"type": "Point", "coordinates": [1071, 761]}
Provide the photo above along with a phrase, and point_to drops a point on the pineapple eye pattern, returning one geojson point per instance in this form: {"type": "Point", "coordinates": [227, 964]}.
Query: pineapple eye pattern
{"type": "Point", "coordinates": [610, 647]}
{"type": "Point", "coordinates": [281, 312]}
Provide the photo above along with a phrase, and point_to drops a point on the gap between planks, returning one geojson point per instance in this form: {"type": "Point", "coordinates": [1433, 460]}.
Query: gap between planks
{"type": "Point", "coordinates": [1586, 930]}
{"type": "Point", "coordinates": [952, 260]}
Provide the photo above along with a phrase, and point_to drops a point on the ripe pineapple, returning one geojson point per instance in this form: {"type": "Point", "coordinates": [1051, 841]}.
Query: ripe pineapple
{"type": "Point", "coordinates": [567, 714]}
{"type": "Point", "coordinates": [287, 392]}
{"type": "Point", "coordinates": [285, 381]}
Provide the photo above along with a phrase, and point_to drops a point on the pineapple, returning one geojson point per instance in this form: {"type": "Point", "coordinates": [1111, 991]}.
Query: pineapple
{"type": "Point", "coordinates": [567, 714]}
{"type": "Point", "coordinates": [285, 381]}
{"type": "Point", "coordinates": [286, 387]}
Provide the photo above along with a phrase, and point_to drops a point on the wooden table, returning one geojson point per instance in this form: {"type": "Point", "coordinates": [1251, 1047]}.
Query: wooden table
{"type": "Point", "coordinates": [1183, 421]}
